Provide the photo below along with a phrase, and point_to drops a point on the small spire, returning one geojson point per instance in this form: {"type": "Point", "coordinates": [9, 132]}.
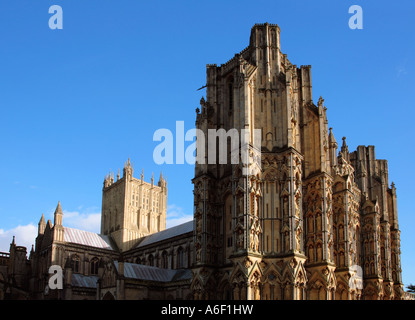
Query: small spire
{"type": "Point", "coordinates": [13, 241]}
{"type": "Point", "coordinates": [332, 139]}
{"type": "Point", "coordinates": [161, 176]}
{"type": "Point", "coordinates": [320, 102]}
{"type": "Point", "coordinates": [344, 142]}
{"type": "Point", "coordinates": [118, 174]}
{"type": "Point", "coordinates": [58, 215]}
{"type": "Point", "coordinates": [58, 209]}
{"type": "Point", "coordinates": [345, 149]}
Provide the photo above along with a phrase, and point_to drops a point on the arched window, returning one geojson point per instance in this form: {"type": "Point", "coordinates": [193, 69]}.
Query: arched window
{"type": "Point", "coordinates": [94, 266]}
{"type": "Point", "coordinates": [151, 260]}
{"type": "Point", "coordinates": [75, 263]}
{"type": "Point", "coordinates": [180, 258]}
{"type": "Point", "coordinates": [164, 260]}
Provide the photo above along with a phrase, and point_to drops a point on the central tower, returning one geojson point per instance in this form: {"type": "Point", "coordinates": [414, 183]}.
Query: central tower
{"type": "Point", "coordinates": [132, 208]}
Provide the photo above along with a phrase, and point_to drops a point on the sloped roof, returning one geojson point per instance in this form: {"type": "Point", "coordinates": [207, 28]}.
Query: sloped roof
{"type": "Point", "coordinates": [149, 273]}
{"type": "Point", "coordinates": [166, 234]}
{"type": "Point", "coordinates": [88, 238]}
{"type": "Point", "coordinates": [79, 280]}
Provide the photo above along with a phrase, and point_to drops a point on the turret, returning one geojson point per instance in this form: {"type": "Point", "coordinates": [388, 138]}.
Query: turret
{"type": "Point", "coordinates": [57, 224]}
{"type": "Point", "coordinates": [394, 215]}
{"type": "Point", "coordinates": [41, 225]}
{"type": "Point", "coordinates": [58, 215]}
{"type": "Point", "coordinates": [162, 182]}
{"type": "Point", "coordinates": [332, 151]}
{"type": "Point", "coordinates": [345, 150]}
{"type": "Point", "coordinates": [128, 170]}
{"type": "Point", "coordinates": [109, 180]}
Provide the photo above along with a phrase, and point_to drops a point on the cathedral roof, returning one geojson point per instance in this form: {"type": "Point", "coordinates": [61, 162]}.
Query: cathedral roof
{"type": "Point", "coordinates": [149, 273]}
{"type": "Point", "coordinates": [87, 238]}
{"type": "Point", "coordinates": [166, 234]}
{"type": "Point", "coordinates": [79, 280]}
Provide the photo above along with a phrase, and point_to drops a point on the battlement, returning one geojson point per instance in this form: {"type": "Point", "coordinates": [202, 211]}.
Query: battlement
{"type": "Point", "coordinates": [128, 175]}
{"type": "Point", "coordinates": [265, 24]}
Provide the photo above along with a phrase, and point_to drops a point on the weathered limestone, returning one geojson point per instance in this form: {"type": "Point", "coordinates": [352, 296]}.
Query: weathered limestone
{"type": "Point", "coordinates": [132, 208]}
{"type": "Point", "coordinates": [310, 217]}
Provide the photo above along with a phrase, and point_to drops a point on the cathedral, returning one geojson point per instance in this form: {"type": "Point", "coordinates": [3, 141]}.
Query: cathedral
{"type": "Point", "coordinates": [306, 220]}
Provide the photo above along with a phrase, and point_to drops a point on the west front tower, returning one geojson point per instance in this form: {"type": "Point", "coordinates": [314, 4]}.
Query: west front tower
{"type": "Point", "coordinates": [292, 223]}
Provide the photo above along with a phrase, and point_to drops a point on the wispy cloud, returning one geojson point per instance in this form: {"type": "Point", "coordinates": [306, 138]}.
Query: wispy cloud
{"type": "Point", "coordinates": [24, 236]}
{"type": "Point", "coordinates": [401, 69]}
{"type": "Point", "coordinates": [84, 220]}
{"type": "Point", "coordinates": [176, 216]}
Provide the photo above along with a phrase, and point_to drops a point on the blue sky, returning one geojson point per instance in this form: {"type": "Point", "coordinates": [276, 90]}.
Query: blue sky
{"type": "Point", "coordinates": [78, 102]}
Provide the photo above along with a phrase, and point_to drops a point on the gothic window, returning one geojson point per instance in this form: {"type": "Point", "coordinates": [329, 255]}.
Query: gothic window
{"type": "Point", "coordinates": [75, 263]}
{"type": "Point", "coordinates": [94, 266]}
{"type": "Point", "coordinates": [393, 259]}
{"type": "Point", "coordinates": [151, 260]}
{"type": "Point", "coordinates": [230, 94]}
{"type": "Point", "coordinates": [180, 258]}
{"type": "Point", "coordinates": [164, 260]}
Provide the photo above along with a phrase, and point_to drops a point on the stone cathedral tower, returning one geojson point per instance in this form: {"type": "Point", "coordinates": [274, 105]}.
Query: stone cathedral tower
{"type": "Point", "coordinates": [309, 218]}
{"type": "Point", "coordinates": [132, 208]}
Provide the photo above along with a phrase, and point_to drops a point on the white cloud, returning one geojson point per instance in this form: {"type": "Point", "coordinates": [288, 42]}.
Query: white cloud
{"type": "Point", "coordinates": [176, 216]}
{"type": "Point", "coordinates": [24, 236]}
{"type": "Point", "coordinates": [87, 219]}
{"type": "Point", "coordinates": [84, 221]}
